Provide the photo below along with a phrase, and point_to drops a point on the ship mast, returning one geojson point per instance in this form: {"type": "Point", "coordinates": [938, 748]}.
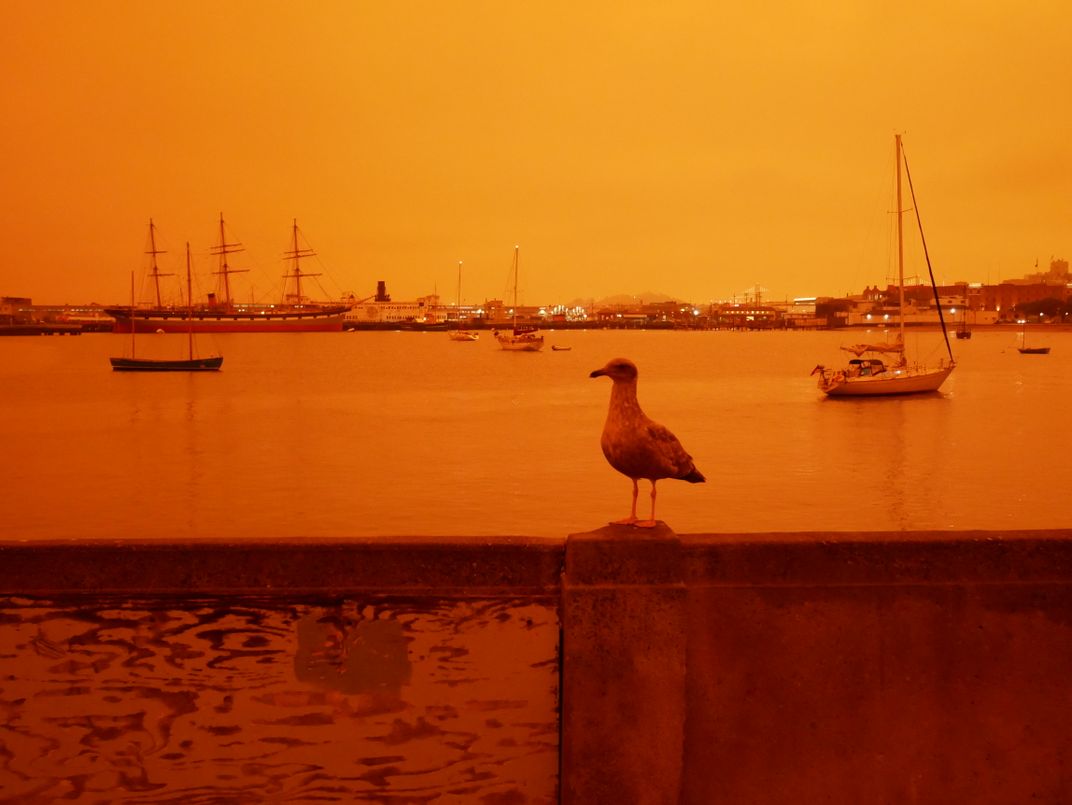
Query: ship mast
{"type": "Point", "coordinates": [133, 323]}
{"type": "Point", "coordinates": [295, 254]}
{"type": "Point", "coordinates": [900, 246]}
{"type": "Point", "coordinates": [517, 249]}
{"type": "Point", "coordinates": [225, 270]}
{"type": "Point", "coordinates": [189, 306]}
{"type": "Point", "coordinates": [155, 274]}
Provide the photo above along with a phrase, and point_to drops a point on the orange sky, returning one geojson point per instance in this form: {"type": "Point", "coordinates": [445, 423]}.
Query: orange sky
{"type": "Point", "coordinates": [696, 149]}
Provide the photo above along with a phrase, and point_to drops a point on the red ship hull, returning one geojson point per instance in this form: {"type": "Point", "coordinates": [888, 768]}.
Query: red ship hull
{"type": "Point", "coordinates": [324, 320]}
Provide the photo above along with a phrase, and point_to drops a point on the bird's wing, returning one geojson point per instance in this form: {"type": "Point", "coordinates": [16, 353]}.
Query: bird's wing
{"type": "Point", "coordinates": [670, 450]}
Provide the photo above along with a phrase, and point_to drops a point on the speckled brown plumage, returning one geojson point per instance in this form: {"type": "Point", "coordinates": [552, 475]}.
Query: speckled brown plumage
{"type": "Point", "coordinates": [637, 446]}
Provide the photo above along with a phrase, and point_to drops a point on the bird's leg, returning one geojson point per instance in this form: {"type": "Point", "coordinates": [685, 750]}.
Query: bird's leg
{"type": "Point", "coordinates": [632, 518]}
{"type": "Point", "coordinates": [649, 523]}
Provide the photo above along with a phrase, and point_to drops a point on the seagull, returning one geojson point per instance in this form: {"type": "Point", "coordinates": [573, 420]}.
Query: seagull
{"type": "Point", "coordinates": [636, 446]}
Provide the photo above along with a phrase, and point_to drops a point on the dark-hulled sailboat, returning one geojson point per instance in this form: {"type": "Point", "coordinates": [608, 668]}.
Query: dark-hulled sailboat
{"type": "Point", "coordinates": [191, 363]}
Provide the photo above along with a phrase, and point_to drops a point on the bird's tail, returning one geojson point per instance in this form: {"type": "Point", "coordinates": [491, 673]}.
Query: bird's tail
{"type": "Point", "coordinates": [694, 477]}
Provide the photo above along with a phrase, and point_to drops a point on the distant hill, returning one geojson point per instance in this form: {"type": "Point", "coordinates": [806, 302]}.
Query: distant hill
{"type": "Point", "coordinates": [646, 298]}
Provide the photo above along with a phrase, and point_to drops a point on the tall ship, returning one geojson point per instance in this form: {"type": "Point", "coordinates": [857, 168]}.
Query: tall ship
{"type": "Point", "coordinates": [221, 313]}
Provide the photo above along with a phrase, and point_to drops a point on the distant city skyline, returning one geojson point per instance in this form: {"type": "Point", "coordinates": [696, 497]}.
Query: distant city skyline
{"type": "Point", "coordinates": [692, 149]}
{"type": "Point", "coordinates": [1053, 271]}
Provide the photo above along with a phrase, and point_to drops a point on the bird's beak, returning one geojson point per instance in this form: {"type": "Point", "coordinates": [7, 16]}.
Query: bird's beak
{"type": "Point", "coordinates": [597, 373]}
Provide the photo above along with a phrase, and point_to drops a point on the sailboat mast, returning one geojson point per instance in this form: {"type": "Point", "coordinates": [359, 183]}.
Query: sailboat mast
{"type": "Point", "coordinates": [927, 257]}
{"type": "Point", "coordinates": [189, 305]}
{"type": "Point", "coordinates": [458, 304]}
{"type": "Point", "coordinates": [900, 244]}
{"type": "Point", "coordinates": [133, 324]}
{"type": "Point", "coordinates": [517, 250]}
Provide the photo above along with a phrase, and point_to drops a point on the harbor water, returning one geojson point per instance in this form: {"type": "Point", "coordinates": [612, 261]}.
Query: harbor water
{"type": "Point", "coordinates": [403, 433]}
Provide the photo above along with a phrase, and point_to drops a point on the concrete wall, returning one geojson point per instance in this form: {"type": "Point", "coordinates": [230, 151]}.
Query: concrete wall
{"type": "Point", "coordinates": [700, 669]}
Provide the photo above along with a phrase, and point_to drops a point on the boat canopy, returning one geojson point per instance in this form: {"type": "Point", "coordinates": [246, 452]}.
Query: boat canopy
{"type": "Point", "coordinates": [860, 349]}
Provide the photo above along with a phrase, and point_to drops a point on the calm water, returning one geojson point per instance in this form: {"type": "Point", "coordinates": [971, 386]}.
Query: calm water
{"type": "Point", "coordinates": [412, 434]}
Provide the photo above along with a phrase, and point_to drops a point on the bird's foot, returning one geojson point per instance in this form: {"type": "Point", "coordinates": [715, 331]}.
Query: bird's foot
{"type": "Point", "coordinates": [624, 521]}
{"type": "Point", "coordinates": [644, 524]}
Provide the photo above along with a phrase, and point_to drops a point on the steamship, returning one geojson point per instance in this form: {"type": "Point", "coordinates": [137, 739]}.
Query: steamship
{"type": "Point", "coordinates": [380, 312]}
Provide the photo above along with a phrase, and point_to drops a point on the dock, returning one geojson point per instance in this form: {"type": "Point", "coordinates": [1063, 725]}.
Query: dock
{"type": "Point", "coordinates": [40, 328]}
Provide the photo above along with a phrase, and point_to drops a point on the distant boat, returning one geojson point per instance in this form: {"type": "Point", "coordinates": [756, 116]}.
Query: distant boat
{"type": "Point", "coordinates": [557, 348]}
{"type": "Point", "coordinates": [295, 313]}
{"type": "Point", "coordinates": [179, 365]}
{"type": "Point", "coordinates": [1025, 349]}
{"type": "Point", "coordinates": [524, 338]}
{"type": "Point", "coordinates": [461, 334]}
{"type": "Point", "coordinates": [963, 331]}
{"type": "Point", "coordinates": [191, 363]}
{"type": "Point", "coordinates": [869, 377]}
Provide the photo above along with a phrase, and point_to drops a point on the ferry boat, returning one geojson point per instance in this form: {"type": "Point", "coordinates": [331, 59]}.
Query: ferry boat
{"type": "Point", "coordinates": [296, 313]}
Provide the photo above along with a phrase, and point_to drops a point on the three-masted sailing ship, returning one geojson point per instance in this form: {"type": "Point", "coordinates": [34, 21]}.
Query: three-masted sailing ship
{"type": "Point", "coordinates": [221, 313]}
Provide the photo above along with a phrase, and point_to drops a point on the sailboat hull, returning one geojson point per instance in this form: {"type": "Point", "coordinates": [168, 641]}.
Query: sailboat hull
{"type": "Point", "coordinates": [463, 335]}
{"type": "Point", "coordinates": [210, 364]}
{"type": "Point", "coordinates": [524, 342]}
{"type": "Point", "coordinates": [895, 381]}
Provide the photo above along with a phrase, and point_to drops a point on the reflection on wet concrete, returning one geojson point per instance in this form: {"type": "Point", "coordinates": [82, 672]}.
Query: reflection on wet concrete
{"type": "Point", "coordinates": [378, 701]}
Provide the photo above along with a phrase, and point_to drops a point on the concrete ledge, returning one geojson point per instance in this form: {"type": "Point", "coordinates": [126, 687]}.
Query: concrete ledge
{"type": "Point", "coordinates": [877, 558]}
{"type": "Point", "coordinates": [283, 567]}
{"type": "Point", "coordinates": [623, 555]}
{"type": "Point", "coordinates": [927, 667]}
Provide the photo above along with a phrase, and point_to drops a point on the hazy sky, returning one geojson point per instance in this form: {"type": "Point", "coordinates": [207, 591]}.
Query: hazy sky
{"type": "Point", "coordinates": [692, 148]}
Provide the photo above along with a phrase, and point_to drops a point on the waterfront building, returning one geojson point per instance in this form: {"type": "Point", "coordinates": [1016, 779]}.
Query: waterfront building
{"type": "Point", "coordinates": [382, 310]}
{"type": "Point", "coordinates": [16, 310]}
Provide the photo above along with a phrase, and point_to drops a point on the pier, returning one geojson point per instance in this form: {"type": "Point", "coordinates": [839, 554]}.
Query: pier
{"type": "Point", "coordinates": [611, 666]}
{"type": "Point", "coordinates": [40, 328]}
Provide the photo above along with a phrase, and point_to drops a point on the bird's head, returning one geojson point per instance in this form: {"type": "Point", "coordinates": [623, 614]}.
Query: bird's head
{"type": "Point", "coordinates": [620, 370]}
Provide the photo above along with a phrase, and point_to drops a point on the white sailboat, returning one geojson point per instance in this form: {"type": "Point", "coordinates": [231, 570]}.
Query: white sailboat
{"type": "Point", "coordinates": [523, 338]}
{"type": "Point", "coordinates": [461, 334]}
{"type": "Point", "coordinates": [872, 376]}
